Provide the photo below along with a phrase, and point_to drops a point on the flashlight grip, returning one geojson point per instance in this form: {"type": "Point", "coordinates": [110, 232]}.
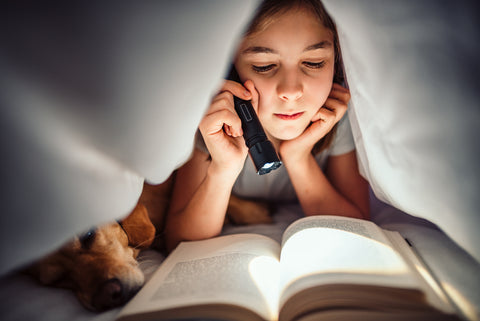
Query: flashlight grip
{"type": "Point", "coordinates": [261, 150]}
{"type": "Point", "coordinates": [253, 132]}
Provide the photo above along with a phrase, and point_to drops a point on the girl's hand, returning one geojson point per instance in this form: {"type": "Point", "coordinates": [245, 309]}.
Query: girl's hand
{"type": "Point", "coordinates": [221, 129]}
{"type": "Point", "coordinates": [322, 122]}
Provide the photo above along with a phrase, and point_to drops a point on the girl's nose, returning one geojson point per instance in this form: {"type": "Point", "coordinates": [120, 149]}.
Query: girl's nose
{"type": "Point", "coordinates": [290, 87]}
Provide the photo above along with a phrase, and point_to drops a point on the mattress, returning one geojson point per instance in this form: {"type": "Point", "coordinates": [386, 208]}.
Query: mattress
{"type": "Point", "coordinates": [21, 298]}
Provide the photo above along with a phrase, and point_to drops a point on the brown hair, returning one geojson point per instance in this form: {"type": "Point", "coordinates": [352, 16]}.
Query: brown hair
{"type": "Point", "coordinates": [268, 10]}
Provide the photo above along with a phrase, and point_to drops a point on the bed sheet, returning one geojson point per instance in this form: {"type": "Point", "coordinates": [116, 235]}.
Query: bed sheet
{"type": "Point", "coordinates": [21, 298]}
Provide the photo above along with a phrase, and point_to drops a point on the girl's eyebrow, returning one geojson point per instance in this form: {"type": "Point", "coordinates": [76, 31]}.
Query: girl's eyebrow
{"type": "Point", "coordinates": [259, 49]}
{"type": "Point", "coordinates": [321, 45]}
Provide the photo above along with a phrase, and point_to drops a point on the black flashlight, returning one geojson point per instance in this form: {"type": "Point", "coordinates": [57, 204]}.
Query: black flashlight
{"type": "Point", "coordinates": [261, 150]}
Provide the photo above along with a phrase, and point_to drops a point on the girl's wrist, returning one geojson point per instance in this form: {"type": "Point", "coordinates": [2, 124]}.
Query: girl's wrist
{"type": "Point", "coordinates": [294, 158]}
{"type": "Point", "coordinates": [295, 162]}
{"type": "Point", "coordinates": [223, 176]}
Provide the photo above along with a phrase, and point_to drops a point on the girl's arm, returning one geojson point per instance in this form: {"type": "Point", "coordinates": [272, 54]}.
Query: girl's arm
{"type": "Point", "coordinates": [203, 185]}
{"type": "Point", "coordinates": [342, 172]}
{"type": "Point", "coordinates": [340, 191]}
{"type": "Point", "coordinates": [199, 201]}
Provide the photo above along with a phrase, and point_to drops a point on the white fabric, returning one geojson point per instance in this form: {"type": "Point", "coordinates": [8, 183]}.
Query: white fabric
{"type": "Point", "coordinates": [52, 304]}
{"type": "Point", "coordinates": [412, 68]}
{"type": "Point", "coordinates": [68, 163]}
{"type": "Point", "coordinates": [94, 97]}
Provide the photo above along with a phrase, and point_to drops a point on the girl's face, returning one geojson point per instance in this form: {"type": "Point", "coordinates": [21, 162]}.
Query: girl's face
{"type": "Point", "coordinates": [291, 63]}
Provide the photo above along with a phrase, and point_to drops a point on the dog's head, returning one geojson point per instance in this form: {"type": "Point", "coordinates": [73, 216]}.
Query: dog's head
{"type": "Point", "coordinates": [100, 265]}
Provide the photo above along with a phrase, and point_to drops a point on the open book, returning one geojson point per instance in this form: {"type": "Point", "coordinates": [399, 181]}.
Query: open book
{"type": "Point", "coordinates": [327, 268]}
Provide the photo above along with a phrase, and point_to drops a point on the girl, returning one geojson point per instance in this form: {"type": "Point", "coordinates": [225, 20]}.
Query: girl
{"type": "Point", "coordinates": [290, 64]}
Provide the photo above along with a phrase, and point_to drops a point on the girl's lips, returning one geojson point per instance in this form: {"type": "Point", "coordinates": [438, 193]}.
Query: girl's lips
{"type": "Point", "coordinates": [289, 116]}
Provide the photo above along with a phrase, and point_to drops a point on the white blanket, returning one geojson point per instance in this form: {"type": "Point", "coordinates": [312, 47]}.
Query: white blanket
{"type": "Point", "coordinates": [95, 100]}
{"type": "Point", "coordinates": [412, 71]}
{"type": "Point", "coordinates": [22, 299]}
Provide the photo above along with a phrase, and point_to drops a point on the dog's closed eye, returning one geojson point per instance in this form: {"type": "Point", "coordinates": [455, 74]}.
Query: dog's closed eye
{"type": "Point", "coordinates": [87, 238]}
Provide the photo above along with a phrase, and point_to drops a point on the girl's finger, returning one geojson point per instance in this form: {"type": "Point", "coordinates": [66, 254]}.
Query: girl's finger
{"type": "Point", "coordinates": [227, 130]}
{"type": "Point", "coordinates": [254, 94]}
{"type": "Point", "coordinates": [339, 87]}
{"type": "Point", "coordinates": [340, 94]}
{"type": "Point", "coordinates": [324, 114]}
{"type": "Point", "coordinates": [223, 100]}
{"type": "Point", "coordinates": [236, 89]}
{"type": "Point", "coordinates": [336, 106]}
{"type": "Point", "coordinates": [214, 122]}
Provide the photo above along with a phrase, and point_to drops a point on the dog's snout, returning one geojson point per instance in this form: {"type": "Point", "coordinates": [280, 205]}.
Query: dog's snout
{"type": "Point", "coordinates": [112, 293]}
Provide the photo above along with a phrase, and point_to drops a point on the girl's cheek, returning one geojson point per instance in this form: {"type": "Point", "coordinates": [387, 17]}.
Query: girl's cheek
{"type": "Point", "coordinates": [266, 90]}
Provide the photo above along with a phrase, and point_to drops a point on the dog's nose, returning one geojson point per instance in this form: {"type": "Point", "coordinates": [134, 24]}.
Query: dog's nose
{"type": "Point", "coordinates": [111, 294]}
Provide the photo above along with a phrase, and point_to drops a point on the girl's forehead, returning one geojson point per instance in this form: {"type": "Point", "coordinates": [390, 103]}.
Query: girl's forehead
{"type": "Point", "coordinates": [296, 27]}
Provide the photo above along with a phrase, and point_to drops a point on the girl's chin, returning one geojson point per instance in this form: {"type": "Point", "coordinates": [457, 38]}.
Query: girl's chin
{"type": "Point", "coordinates": [287, 134]}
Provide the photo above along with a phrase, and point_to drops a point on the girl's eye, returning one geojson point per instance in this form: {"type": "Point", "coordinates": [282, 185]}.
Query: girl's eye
{"type": "Point", "coordinates": [262, 69]}
{"type": "Point", "coordinates": [314, 65]}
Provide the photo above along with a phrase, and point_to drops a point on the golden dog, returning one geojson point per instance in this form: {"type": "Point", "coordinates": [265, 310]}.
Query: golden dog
{"type": "Point", "coordinates": [100, 265]}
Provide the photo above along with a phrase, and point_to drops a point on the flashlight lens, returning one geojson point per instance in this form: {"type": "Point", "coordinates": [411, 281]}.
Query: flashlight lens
{"type": "Point", "coordinates": [268, 165]}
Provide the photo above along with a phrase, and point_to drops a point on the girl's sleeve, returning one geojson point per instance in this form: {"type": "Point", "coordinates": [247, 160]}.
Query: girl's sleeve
{"type": "Point", "coordinates": [343, 141]}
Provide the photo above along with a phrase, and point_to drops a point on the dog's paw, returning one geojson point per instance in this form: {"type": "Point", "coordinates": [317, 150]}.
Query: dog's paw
{"type": "Point", "coordinates": [245, 212]}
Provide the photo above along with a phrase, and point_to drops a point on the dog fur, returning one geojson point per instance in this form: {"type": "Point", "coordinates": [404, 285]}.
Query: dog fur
{"type": "Point", "coordinates": [100, 265]}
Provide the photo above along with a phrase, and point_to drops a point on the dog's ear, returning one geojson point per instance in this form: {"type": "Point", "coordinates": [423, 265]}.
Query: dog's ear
{"type": "Point", "coordinates": [139, 228]}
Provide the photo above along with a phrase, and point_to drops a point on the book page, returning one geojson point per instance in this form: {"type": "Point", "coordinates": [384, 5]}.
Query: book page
{"type": "Point", "coordinates": [233, 270]}
{"type": "Point", "coordinates": [357, 226]}
{"type": "Point", "coordinates": [332, 249]}
{"type": "Point", "coordinates": [430, 286]}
